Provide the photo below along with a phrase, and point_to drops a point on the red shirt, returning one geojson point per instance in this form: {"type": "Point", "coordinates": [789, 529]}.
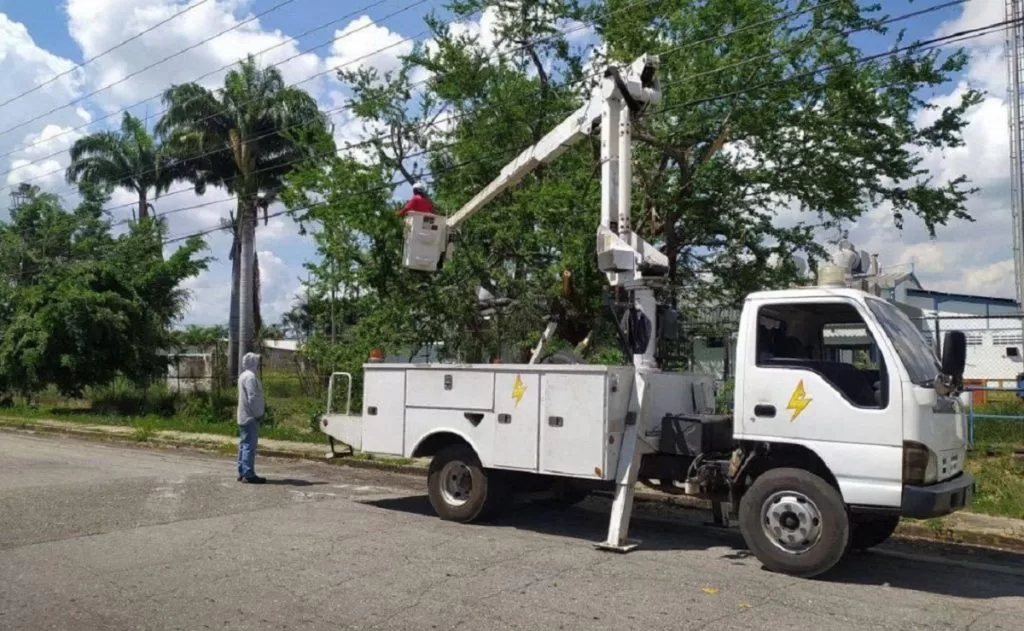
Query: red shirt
{"type": "Point", "coordinates": [419, 204]}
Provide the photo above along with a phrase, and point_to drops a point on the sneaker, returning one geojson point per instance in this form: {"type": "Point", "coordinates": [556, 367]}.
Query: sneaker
{"type": "Point", "coordinates": [254, 480]}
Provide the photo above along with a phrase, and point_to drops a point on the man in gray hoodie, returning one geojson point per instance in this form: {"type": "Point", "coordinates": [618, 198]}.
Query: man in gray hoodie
{"type": "Point", "coordinates": [251, 408]}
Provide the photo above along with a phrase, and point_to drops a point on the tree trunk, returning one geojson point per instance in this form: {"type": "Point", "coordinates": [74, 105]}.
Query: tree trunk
{"type": "Point", "coordinates": [143, 206]}
{"type": "Point", "coordinates": [246, 319]}
{"type": "Point", "coordinates": [233, 314]}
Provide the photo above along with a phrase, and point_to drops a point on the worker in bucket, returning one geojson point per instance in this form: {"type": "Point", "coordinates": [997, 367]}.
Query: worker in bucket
{"type": "Point", "coordinates": [251, 408]}
{"type": "Point", "coordinates": [419, 202]}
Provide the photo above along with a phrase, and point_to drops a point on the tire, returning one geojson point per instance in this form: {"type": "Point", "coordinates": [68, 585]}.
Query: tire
{"type": "Point", "coordinates": [805, 499]}
{"type": "Point", "coordinates": [460, 489]}
{"type": "Point", "coordinates": [871, 532]}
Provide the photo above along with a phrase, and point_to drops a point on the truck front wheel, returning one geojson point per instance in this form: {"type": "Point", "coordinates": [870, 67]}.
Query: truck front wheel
{"type": "Point", "coordinates": [794, 522]}
{"type": "Point", "coordinates": [460, 489]}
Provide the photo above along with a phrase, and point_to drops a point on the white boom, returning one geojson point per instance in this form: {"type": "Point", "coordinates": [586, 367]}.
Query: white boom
{"type": "Point", "coordinates": [625, 258]}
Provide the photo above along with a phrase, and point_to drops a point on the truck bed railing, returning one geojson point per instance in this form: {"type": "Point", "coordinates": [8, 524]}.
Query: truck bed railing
{"type": "Point", "coordinates": [330, 392]}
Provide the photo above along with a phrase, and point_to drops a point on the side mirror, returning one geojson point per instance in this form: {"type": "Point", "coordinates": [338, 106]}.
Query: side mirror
{"type": "Point", "coordinates": [954, 355]}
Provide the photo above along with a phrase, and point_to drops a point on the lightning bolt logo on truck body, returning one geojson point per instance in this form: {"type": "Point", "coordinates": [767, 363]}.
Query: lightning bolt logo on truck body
{"type": "Point", "coordinates": [518, 389]}
{"type": "Point", "coordinates": [798, 401]}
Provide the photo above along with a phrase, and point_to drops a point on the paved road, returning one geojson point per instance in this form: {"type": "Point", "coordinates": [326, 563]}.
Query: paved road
{"type": "Point", "coordinates": [103, 537]}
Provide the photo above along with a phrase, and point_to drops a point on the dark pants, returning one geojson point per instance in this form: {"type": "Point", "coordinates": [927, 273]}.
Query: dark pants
{"type": "Point", "coordinates": [247, 449]}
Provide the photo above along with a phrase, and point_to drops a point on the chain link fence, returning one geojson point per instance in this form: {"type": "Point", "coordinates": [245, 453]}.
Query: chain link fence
{"type": "Point", "coordinates": [992, 374]}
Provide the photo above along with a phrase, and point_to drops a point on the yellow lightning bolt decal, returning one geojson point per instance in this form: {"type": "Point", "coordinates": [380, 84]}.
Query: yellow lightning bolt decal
{"type": "Point", "coordinates": [518, 390]}
{"type": "Point", "coordinates": [798, 401]}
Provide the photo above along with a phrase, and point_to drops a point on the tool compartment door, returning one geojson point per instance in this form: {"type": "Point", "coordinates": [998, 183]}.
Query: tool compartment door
{"type": "Point", "coordinates": [384, 411]}
{"type": "Point", "coordinates": [572, 424]}
{"type": "Point", "coordinates": [454, 389]}
{"type": "Point", "coordinates": [517, 409]}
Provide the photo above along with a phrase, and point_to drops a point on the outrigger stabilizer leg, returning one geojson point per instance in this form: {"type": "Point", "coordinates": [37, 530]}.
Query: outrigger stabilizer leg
{"type": "Point", "coordinates": [625, 484]}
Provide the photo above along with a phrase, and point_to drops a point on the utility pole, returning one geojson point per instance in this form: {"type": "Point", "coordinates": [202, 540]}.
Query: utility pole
{"type": "Point", "coordinates": [1015, 101]}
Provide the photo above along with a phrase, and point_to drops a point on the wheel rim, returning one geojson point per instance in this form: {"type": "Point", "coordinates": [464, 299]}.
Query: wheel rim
{"type": "Point", "coordinates": [456, 483]}
{"type": "Point", "coordinates": [791, 521]}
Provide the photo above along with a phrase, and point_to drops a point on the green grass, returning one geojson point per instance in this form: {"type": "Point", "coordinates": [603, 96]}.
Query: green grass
{"type": "Point", "coordinates": [145, 426]}
{"type": "Point", "coordinates": [291, 413]}
{"type": "Point", "coordinates": [1000, 480]}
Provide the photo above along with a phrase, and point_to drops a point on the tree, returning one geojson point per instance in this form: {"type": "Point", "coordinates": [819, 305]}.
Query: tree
{"type": "Point", "coordinates": [129, 159]}
{"type": "Point", "coordinates": [244, 138]}
{"type": "Point", "coordinates": [81, 306]}
{"type": "Point", "coordinates": [760, 113]}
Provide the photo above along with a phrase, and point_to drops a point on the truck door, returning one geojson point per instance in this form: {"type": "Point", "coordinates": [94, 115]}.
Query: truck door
{"type": "Point", "coordinates": [816, 376]}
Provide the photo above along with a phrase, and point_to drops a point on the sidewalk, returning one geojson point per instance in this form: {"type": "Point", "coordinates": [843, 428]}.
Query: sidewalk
{"type": "Point", "coordinates": [962, 528]}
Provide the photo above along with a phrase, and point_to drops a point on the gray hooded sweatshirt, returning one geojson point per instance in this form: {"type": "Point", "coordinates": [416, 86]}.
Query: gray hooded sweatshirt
{"type": "Point", "coordinates": [250, 392]}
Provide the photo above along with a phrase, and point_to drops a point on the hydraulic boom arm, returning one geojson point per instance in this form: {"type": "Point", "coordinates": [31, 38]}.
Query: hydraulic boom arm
{"type": "Point", "coordinates": [621, 254]}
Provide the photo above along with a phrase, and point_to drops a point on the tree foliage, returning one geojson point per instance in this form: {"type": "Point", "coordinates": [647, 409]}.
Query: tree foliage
{"type": "Point", "coordinates": [129, 159]}
{"type": "Point", "coordinates": [771, 131]}
{"type": "Point", "coordinates": [79, 305]}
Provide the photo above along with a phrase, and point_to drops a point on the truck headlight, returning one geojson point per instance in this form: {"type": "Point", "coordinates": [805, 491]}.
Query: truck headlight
{"type": "Point", "coordinates": [920, 464]}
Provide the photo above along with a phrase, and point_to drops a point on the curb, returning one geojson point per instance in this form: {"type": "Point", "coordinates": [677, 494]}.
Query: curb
{"type": "Point", "coordinates": [905, 531]}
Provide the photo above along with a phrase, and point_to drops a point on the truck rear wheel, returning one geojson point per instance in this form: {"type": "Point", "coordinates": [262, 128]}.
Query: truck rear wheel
{"type": "Point", "coordinates": [870, 532]}
{"type": "Point", "coordinates": [794, 522]}
{"type": "Point", "coordinates": [460, 489]}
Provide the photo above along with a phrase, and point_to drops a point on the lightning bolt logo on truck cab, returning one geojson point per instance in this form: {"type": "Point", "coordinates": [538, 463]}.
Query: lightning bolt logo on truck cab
{"type": "Point", "coordinates": [798, 401]}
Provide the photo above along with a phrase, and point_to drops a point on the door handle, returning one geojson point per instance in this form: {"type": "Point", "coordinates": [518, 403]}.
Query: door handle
{"type": "Point", "coordinates": [764, 411]}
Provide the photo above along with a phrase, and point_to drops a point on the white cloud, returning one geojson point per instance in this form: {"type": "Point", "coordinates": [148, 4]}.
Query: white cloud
{"type": "Point", "coordinates": [184, 32]}
{"type": "Point", "coordinates": [365, 44]}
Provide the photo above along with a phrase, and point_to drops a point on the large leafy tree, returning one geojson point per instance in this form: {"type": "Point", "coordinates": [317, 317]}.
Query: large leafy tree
{"type": "Point", "coordinates": [771, 130]}
{"type": "Point", "coordinates": [244, 138]}
{"type": "Point", "coordinates": [81, 306]}
{"type": "Point", "coordinates": [129, 159]}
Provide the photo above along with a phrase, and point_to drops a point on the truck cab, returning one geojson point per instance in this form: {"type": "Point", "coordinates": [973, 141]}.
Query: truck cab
{"type": "Point", "coordinates": [846, 379]}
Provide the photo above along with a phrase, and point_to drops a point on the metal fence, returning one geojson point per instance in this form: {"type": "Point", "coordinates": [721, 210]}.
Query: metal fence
{"type": "Point", "coordinates": [992, 374]}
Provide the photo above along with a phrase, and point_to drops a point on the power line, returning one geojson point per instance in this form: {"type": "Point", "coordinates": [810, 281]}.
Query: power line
{"type": "Point", "coordinates": [931, 44]}
{"type": "Point", "coordinates": [891, 20]}
{"type": "Point", "coordinates": [120, 44]}
{"type": "Point", "coordinates": [78, 100]}
{"type": "Point", "coordinates": [582, 25]}
{"type": "Point", "coordinates": [197, 79]}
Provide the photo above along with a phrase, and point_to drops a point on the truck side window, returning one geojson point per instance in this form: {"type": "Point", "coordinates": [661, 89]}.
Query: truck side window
{"type": "Point", "coordinates": [829, 339]}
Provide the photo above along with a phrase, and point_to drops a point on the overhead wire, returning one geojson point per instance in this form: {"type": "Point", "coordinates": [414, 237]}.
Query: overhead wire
{"type": "Point", "coordinates": [337, 67]}
{"type": "Point", "coordinates": [158, 95]}
{"type": "Point", "coordinates": [78, 100]}
{"type": "Point", "coordinates": [930, 44]}
{"type": "Point", "coordinates": [674, 49]}
{"type": "Point", "coordinates": [106, 52]}
{"type": "Point", "coordinates": [580, 26]}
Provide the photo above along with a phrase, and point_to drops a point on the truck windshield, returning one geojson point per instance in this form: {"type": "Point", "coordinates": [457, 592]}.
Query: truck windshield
{"type": "Point", "coordinates": [915, 352]}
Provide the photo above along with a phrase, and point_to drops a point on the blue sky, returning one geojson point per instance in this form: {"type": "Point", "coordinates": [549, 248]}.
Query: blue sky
{"type": "Point", "coordinates": [39, 38]}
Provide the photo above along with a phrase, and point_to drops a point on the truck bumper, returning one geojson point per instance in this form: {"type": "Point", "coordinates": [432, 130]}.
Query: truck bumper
{"type": "Point", "coordinates": [923, 502]}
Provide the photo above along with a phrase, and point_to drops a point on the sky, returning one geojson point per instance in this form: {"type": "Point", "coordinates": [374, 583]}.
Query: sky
{"type": "Point", "coordinates": [40, 39]}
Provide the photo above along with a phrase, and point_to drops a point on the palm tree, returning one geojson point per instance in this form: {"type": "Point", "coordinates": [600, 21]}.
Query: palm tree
{"type": "Point", "coordinates": [129, 159]}
{"type": "Point", "coordinates": [243, 138]}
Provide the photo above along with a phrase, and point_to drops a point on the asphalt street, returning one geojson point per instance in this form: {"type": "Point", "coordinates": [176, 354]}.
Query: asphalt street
{"type": "Point", "coordinates": [110, 537]}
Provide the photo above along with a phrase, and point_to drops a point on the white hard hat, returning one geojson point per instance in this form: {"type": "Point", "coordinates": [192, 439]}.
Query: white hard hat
{"type": "Point", "coordinates": [418, 186]}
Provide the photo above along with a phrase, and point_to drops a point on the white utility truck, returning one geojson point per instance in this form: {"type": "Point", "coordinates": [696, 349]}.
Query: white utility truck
{"type": "Point", "coordinates": [818, 456]}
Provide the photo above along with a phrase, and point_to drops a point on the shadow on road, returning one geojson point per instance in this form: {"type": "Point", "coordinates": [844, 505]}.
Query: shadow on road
{"type": "Point", "coordinates": [292, 482]}
{"type": "Point", "coordinates": [927, 567]}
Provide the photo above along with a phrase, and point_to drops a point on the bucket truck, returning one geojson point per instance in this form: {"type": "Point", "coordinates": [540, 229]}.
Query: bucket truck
{"type": "Point", "coordinates": [818, 456]}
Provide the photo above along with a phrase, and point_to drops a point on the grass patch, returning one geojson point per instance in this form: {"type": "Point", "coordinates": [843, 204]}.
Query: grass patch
{"type": "Point", "coordinates": [1000, 485]}
{"type": "Point", "coordinates": [145, 426]}
{"type": "Point", "coordinates": [291, 414]}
